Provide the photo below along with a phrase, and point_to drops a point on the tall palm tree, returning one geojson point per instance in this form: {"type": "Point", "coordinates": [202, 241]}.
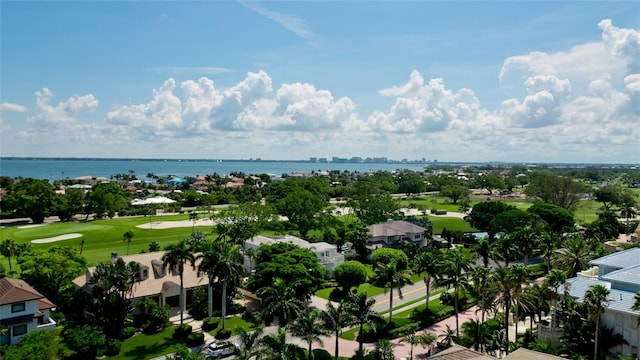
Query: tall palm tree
{"type": "Point", "coordinates": [362, 311]}
{"type": "Point", "coordinates": [128, 237]}
{"type": "Point", "coordinates": [519, 277]}
{"type": "Point", "coordinates": [574, 256]}
{"type": "Point", "coordinates": [480, 287]}
{"type": "Point", "coordinates": [503, 294]}
{"type": "Point", "coordinates": [307, 325]}
{"type": "Point", "coordinates": [481, 249]}
{"type": "Point", "coordinates": [279, 300]}
{"type": "Point", "coordinates": [9, 248]}
{"type": "Point", "coordinates": [426, 263]}
{"type": "Point", "coordinates": [249, 343]}
{"type": "Point", "coordinates": [334, 319]}
{"type": "Point", "coordinates": [193, 217]}
{"type": "Point", "coordinates": [555, 278]}
{"type": "Point", "coordinates": [277, 347]}
{"type": "Point", "coordinates": [250, 253]}
{"type": "Point", "coordinates": [526, 239]}
{"type": "Point", "coordinates": [504, 248]}
{"type": "Point", "coordinates": [596, 299]}
{"type": "Point", "coordinates": [453, 274]}
{"type": "Point", "coordinates": [391, 276]}
{"type": "Point", "coordinates": [175, 257]}
{"type": "Point", "coordinates": [223, 260]}
{"type": "Point", "coordinates": [547, 245]}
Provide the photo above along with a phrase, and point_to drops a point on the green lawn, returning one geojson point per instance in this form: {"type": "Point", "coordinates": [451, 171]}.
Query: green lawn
{"type": "Point", "coordinates": [450, 223]}
{"type": "Point", "coordinates": [144, 346]}
{"type": "Point", "coordinates": [103, 236]}
{"type": "Point", "coordinates": [235, 322]}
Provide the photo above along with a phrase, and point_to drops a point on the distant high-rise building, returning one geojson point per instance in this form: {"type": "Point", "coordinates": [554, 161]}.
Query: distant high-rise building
{"type": "Point", "coordinates": [313, 159]}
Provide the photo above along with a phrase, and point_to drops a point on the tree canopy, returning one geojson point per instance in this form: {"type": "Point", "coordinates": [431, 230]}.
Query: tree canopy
{"type": "Point", "coordinates": [554, 189]}
{"type": "Point", "coordinates": [288, 262]}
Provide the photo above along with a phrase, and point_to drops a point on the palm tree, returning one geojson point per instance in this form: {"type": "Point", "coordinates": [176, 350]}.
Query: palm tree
{"type": "Point", "coordinates": [334, 319]}
{"type": "Point", "coordinates": [223, 260]}
{"type": "Point", "coordinates": [526, 240]}
{"type": "Point", "coordinates": [519, 277]}
{"type": "Point", "coordinates": [575, 255]}
{"type": "Point", "coordinates": [547, 246]}
{"type": "Point", "coordinates": [596, 299]}
{"type": "Point", "coordinates": [426, 264]}
{"type": "Point", "coordinates": [175, 257]}
{"type": "Point", "coordinates": [448, 336]}
{"type": "Point", "coordinates": [384, 350]}
{"type": "Point", "coordinates": [307, 325]}
{"type": "Point", "coordinates": [628, 211]}
{"type": "Point", "coordinates": [128, 237]}
{"type": "Point", "coordinates": [504, 248]}
{"type": "Point", "coordinates": [249, 343]}
{"type": "Point", "coordinates": [411, 338]}
{"type": "Point", "coordinates": [453, 275]}
{"type": "Point", "coordinates": [250, 253]}
{"type": "Point", "coordinates": [503, 286]}
{"type": "Point", "coordinates": [362, 311]}
{"type": "Point", "coordinates": [9, 248]}
{"type": "Point", "coordinates": [555, 279]}
{"type": "Point", "coordinates": [193, 216]}
{"type": "Point", "coordinates": [277, 347]}
{"type": "Point", "coordinates": [390, 276]}
{"type": "Point", "coordinates": [481, 249]}
{"type": "Point", "coordinates": [279, 300]}
{"type": "Point", "coordinates": [480, 277]}
{"type": "Point", "coordinates": [427, 339]}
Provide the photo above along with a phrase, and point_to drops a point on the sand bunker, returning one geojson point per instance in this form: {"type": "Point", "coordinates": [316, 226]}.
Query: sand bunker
{"type": "Point", "coordinates": [175, 224]}
{"type": "Point", "coordinates": [57, 238]}
{"type": "Point", "coordinates": [31, 226]}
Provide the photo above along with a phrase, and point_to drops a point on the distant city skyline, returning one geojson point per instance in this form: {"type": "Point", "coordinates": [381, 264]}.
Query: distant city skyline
{"type": "Point", "coordinates": [482, 81]}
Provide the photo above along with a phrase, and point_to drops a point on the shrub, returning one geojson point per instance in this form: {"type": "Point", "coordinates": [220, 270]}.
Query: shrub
{"type": "Point", "coordinates": [403, 330]}
{"type": "Point", "coordinates": [446, 298]}
{"type": "Point", "coordinates": [112, 347]}
{"type": "Point", "coordinates": [127, 332]}
{"type": "Point", "coordinates": [195, 339]}
{"type": "Point", "coordinates": [321, 354]}
{"type": "Point", "coordinates": [223, 334]}
{"type": "Point", "coordinates": [182, 331]}
{"type": "Point", "coordinates": [209, 324]}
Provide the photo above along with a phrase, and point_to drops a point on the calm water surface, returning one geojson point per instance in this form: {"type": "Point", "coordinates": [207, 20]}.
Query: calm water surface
{"type": "Point", "coordinates": [54, 169]}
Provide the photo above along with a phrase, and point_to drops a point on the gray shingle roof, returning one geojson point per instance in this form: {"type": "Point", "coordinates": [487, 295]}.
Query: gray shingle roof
{"type": "Point", "coordinates": [620, 259]}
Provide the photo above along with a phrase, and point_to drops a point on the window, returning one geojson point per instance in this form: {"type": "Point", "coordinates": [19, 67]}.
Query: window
{"type": "Point", "coordinates": [17, 307]}
{"type": "Point", "coordinates": [19, 330]}
{"type": "Point", "coordinates": [416, 236]}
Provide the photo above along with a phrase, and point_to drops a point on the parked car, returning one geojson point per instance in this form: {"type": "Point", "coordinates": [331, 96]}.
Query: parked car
{"type": "Point", "coordinates": [220, 349]}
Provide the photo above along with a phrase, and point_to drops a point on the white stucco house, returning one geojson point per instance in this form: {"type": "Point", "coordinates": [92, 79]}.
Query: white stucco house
{"type": "Point", "coordinates": [327, 253]}
{"type": "Point", "coordinates": [22, 310]}
{"type": "Point", "coordinates": [620, 273]}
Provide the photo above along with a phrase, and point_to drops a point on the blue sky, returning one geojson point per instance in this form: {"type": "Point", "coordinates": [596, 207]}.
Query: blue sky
{"type": "Point", "coordinates": [454, 81]}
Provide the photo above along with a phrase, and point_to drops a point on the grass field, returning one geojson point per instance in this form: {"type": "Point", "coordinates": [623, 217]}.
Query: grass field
{"type": "Point", "coordinates": [102, 236]}
{"type": "Point", "coordinates": [143, 346]}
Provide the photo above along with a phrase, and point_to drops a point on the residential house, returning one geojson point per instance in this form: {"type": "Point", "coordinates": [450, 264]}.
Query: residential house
{"type": "Point", "coordinates": [22, 310]}
{"type": "Point", "coordinates": [620, 273]}
{"type": "Point", "coordinates": [161, 285]}
{"type": "Point", "coordinates": [392, 231]}
{"type": "Point", "coordinates": [327, 253]}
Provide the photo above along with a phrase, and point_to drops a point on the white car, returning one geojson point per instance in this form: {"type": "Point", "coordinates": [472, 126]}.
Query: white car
{"type": "Point", "coordinates": [221, 349]}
